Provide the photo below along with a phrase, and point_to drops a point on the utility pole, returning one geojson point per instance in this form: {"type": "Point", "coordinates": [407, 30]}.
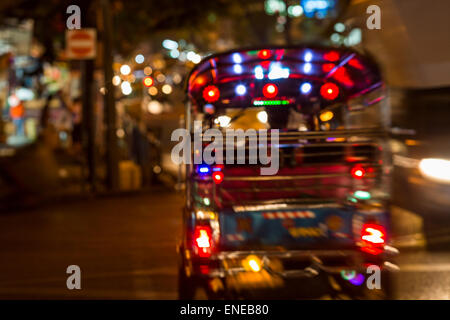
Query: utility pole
{"type": "Point", "coordinates": [88, 118]}
{"type": "Point", "coordinates": [109, 100]}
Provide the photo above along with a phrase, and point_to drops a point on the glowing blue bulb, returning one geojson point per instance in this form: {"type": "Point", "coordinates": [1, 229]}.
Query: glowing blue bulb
{"type": "Point", "coordinates": [241, 90]}
{"type": "Point", "coordinates": [305, 88]}
{"type": "Point", "coordinates": [259, 72]}
{"type": "Point", "coordinates": [203, 168]}
{"type": "Point", "coordinates": [308, 56]}
{"type": "Point", "coordinates": [237, 68]}
{"type": "Point", "coordinates": [307, 67]}
{"type": "Point", "coordinates": [237, 58]}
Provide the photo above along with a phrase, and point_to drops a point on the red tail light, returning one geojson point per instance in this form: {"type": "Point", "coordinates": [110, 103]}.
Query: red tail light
{"type": "Point", "coordinates": [358, 172]}
{"type": "Point", "coordinates": [218, 177]}
{"type": "Point", "coordinates": [373, 233]}
{"type": "Point", "coordinates": [203, 241]}
{"type": "Point", "coordinates": [373, 237]}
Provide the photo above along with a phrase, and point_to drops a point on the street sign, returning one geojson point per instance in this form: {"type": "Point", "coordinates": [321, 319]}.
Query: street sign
{"type": "Point", "coordinates": [81, 44]}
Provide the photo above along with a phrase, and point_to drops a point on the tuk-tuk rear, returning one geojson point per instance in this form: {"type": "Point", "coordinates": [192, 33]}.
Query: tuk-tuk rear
{"type": "Point", "coordinates": [287, 181]}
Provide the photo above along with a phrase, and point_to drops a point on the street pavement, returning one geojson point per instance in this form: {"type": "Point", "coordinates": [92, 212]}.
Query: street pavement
{"type": "Point", "coordinates": [126, 249]}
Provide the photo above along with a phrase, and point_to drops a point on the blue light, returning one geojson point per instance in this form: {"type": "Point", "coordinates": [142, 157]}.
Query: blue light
{"type": "Point", "coordinates": [307, 67]}
{"type": "Point", "coordinates": [237, 68]}
{"type": "Point", "coordinates": [241, 90]}
{"type": "Point", "coordinates": [170, 44]}
{"type": "Point", "coordinates": [308, 56]}
{"type": "Point", "coordinates": [259, 73]}
{"type": "Point", "coordinates": [306, 87]}
{"type": "Point", "coordinates": [208, 108]}
{"type": "Point", "coordinates": [203, 169]}
{"type": "Point", "coordinates": [317, 8]}
{"type": "Point", "coordinates": [357, 280]}
{"type": "Point", "coordinates": [237, 58]}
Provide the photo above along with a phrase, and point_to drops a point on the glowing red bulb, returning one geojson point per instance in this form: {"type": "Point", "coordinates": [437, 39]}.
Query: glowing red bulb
{"type": "Point", "coordinates": [358, 172]}
{"type": "Point", "coordinates": [264, 54]}
{"type": "Point", "coordinates": [327, 67]}
{"type": "Point", "coordinates": [211, 94]}
{"type": "Point", "coordinates": [329, 91]}
{"type": "Point", "coordinates": [355, 64]}
{"type": "Point", "coordinates": [331, 56]}
{"type": "Point", "coordinates": [270, 90]}
{"type": "Point", "coordinates": [218, 177]}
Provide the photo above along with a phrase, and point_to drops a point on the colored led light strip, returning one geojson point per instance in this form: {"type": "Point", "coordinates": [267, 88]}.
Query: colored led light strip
{"type": "Point", "coordinates": [270, 102]}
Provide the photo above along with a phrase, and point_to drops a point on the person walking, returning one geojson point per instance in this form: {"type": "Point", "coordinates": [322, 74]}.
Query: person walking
{"type": "Point", "coordinates": [17, 114]}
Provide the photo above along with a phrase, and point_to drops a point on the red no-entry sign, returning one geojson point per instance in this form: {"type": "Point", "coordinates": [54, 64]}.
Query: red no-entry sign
{"type": "Point", "coordinates": [81, 44]}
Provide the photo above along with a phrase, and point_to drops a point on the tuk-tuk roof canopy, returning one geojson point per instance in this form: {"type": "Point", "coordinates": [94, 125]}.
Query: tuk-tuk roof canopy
{"type": "Point", "coordinates": [282, 76]}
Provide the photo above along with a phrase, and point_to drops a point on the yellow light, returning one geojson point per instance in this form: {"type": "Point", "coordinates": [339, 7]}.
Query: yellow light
{"type": "Point", "coordinates": [411, 142]}
{"type": "Point", "coordinates": [252, 263]}
{"type": "Point", "coordinates": [125, 69]}
{"type": "Point", "coordinates": [116, 80]}
{"type": "Point", "coordinates": [148, 81]}
{"type": "Point", "coordinates": [153, 91]}
{"type": "Point", "coordinates": [201, 214]}
{"type": "Point", "coordinates": [148, 71]}
{"type": "Point", "coordinates": [262, 116]}
{"type": "Point", "coordinates": [326, 116]}
{"type": "Point", "coordinates": [167, 89]}
{"type": "Point", "coordinates": [161, 78]}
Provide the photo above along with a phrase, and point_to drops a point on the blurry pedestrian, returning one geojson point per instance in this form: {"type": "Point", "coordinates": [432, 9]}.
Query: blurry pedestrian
{"type": "Point", "coordinates": [17, 114]}
{"type": "Point", "coordinates": [140, 149]}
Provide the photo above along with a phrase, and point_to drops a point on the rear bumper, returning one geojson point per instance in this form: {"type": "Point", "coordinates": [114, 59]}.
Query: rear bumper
{"type": "Point", "coordinates": [294, 263]}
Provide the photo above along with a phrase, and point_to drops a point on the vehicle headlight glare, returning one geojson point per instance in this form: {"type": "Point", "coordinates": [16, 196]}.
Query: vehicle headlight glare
{"type": "Point", "coordinates": [435, 169]}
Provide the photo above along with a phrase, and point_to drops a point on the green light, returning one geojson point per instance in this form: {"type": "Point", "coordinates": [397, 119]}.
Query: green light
{"type": "Point", "coordinates": [206, 201]}
{"type": "Point", "coordinates": [273, 6]}
{"type": "Point", "coordinates": [295, 11]}
{"type": "Point", "coordinates": [363, 195]}
{"type": "Point", "coordinates": [348, 274]}
{"type": "Point", "coordinates": [339, 27]}
{"type": "Point", "coordinates": [270, 102]}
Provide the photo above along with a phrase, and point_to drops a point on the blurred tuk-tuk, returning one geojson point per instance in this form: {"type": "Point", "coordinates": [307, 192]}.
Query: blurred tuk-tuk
{"type": "Point", "coordinates": [322, 218]}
